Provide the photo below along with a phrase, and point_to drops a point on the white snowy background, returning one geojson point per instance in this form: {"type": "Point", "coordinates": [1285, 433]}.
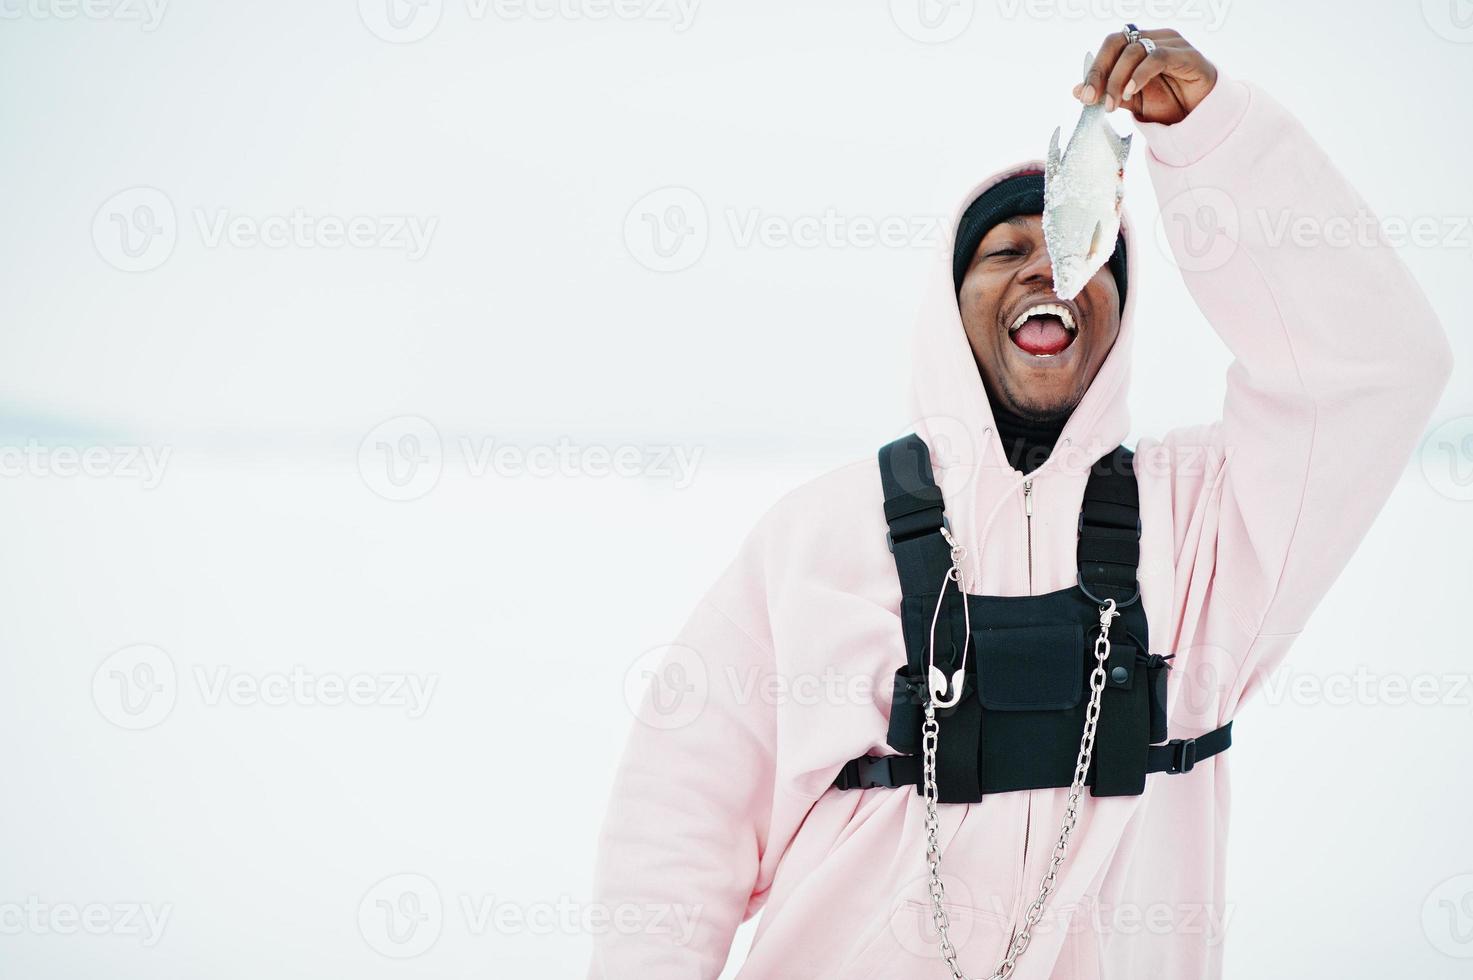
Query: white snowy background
{"type": "Point", "coordinates": [298, 300]}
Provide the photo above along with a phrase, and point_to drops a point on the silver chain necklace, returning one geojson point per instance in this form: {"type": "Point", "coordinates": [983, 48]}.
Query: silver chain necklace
{"type": "Point", "coordinates": [930, 737]}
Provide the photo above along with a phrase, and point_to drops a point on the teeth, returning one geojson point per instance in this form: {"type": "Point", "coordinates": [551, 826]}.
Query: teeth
{"type": "Point", "coordinates": [1051, 309]}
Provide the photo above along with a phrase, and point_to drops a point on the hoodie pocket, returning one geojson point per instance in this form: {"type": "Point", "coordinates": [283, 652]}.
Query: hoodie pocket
{"type": "Point", "coordinates": [1079, 955]}
{"type": "Point", "coordinates": [909, 945]}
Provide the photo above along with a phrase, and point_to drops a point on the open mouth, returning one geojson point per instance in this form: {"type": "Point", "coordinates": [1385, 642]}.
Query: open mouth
{"type": "Point", "coordinates": [1044, 329]}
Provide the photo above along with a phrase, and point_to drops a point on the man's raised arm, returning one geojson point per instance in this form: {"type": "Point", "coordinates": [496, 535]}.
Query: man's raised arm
{"type": "Point", "coordinates": [1339, 360]}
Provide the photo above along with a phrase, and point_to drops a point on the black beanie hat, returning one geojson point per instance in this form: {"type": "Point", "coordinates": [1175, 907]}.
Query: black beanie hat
{"type": "Point", "coordinates": [1019, 194]}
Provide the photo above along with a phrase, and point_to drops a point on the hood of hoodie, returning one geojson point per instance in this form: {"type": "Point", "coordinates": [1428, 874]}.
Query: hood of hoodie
{"type": "Point", "coordinates": [950, 409]}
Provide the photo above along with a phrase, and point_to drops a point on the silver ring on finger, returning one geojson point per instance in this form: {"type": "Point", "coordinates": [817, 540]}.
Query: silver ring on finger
{"type": "Point", "coordinates": [1148, 44]}
{"type": "Point", "coordinates": [1132, 33]}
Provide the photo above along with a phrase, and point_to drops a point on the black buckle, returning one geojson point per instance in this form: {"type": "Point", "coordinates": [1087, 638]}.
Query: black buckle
{"type": "Point", "coordinates": [847, 774]}
{"type": "Point", "coordinates": [1183, 754]}
{"type": "Point", "coordinates": [860, 773]}
{"type": "Point", "coordinates": [890, 535]}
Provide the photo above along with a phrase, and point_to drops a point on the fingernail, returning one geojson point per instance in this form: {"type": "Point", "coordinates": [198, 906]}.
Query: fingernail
{"type": "Point", "coordinates": [1088, 94]}
{"type": "Point", "coordinates": [1109, 103]}
{"type": "Point", "coordinates": [1129, 88]}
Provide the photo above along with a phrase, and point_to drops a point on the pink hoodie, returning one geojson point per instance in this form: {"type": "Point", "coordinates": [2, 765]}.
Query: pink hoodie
{"type": "Point", "coordinates": [723, 803]}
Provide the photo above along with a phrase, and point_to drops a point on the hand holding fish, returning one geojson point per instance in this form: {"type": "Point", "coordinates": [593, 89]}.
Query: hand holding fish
{"type": "Point", "coordinates": [1159, 86]}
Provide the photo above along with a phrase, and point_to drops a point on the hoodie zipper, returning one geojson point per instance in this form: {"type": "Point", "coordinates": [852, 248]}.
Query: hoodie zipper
{"type": "Point", "coordinates": [1028, 514]}
{"type": "Point", "coordinates": [1028, 811]}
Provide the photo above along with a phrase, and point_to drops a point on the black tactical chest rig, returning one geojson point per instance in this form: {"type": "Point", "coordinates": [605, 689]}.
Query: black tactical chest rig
{"type": "Point", "coordinates": [1025, 690]}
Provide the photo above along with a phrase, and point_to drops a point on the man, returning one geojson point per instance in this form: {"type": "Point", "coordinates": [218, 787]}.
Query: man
{"type": "Point", "coordinates": [1244, 525]}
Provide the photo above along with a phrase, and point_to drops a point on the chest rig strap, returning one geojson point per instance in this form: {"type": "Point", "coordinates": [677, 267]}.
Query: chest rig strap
{"type": "Point", "coordinates": [1109, 547]}
{"type": "Point", "coordinates": [1108, 553]}
{"type": "Point", "coordinates": [915, 512]}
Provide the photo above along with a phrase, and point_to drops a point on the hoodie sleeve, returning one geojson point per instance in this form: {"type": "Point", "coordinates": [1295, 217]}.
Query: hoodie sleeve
{"type": "Point", "coordinates": [1338, 362]}
{"type": "Point", "coordinates": [685, 833]}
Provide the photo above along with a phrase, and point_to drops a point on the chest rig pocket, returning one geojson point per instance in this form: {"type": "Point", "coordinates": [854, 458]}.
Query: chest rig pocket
{"type": "Point", "coordinates": [1025, 689]}
{"type": "Point", "coordinates": [1035, 668]}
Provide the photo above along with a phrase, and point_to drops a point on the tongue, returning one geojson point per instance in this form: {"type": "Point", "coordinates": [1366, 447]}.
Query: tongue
{"type": "Point", "coordinates": [1042, 335]}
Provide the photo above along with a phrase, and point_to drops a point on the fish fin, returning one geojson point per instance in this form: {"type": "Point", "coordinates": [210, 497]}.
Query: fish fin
{"type": "Point", "coordinates": [1051, 164]}
{"type": "Point", "coordinates": [1094, 242]}
{"type": "Point", "coordinates": [1089, 60]}
{"type": "Point", "coordinates": [1119, 145]}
